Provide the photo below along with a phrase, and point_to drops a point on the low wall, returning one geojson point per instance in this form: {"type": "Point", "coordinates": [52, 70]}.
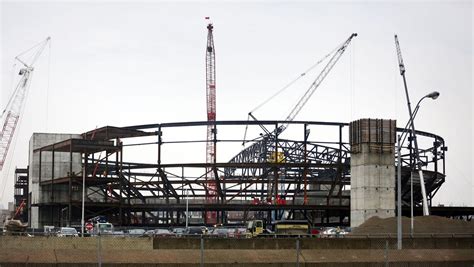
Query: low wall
{"type": "Point", "coordinates": [145, 243]}
{"type": "Point", "coordinates": [85, 243]}
{"type": "Point", "coordinates": [216, 252]}
{"type": "Point", "coordinates": [315, 243]}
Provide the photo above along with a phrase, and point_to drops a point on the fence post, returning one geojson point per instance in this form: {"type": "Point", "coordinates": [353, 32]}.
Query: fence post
{"type": "Point", "coordinates": [202, 251]}
{"type": "Point", "coordinates": [298, 252]}
{"type": "Point", "coordinates": [99, 250]}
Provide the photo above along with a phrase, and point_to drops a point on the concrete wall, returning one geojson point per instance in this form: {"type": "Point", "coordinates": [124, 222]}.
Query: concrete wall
{"type": "Point", "coordinates": [372, 174]}
{"type": "Point", "coordinates": [315, 243]}
{"type": "Point", "coordinates": [61, 169]}
{"type": "Point", "coordinates": [145, 243]}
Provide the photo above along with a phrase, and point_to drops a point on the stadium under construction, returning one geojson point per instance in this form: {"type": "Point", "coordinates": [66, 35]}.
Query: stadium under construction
{"type": "Point", "coordinates": [272, 178]}
{"type": "Point", "coordinates": [326, 173]}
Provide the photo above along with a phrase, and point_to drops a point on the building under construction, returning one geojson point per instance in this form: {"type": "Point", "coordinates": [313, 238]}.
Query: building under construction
{"type": "Point", "coordinates": [271, 179]}
{"type": "Point", "coordinates": [327, 173]}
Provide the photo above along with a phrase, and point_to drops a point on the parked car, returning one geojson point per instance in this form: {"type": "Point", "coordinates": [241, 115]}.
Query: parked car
{"type": "Point", "coordinates": [118, 233]}
{"type": "Point", "coordinates": [220, 232]}
{"type": "Point", "coordinates": [196, 230]}
{"type": "Point", "coordinates": [162, 233]}
{"type": "Point", "coordinates": [179, 231]}
{"type": "Point", "coordinates": [136, 232]}
{"type": "Point", "coordinates": [333, 232]}
{"type": "Point", "coordinates": [67, 231]}
{"type": "Point", "coordinates": [149, 233]}
{"type": "Point", "coordinates": [240, 232]}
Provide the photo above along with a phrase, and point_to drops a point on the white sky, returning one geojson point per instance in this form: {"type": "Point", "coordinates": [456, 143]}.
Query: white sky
{"type": "Point", "coordinates": [134, 63]}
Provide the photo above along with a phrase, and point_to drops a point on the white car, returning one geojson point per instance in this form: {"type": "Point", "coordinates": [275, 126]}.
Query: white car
{"type": "Point", "coordinates": [67, 231]}
{"type": "Point", "coordinates": [333, 232]}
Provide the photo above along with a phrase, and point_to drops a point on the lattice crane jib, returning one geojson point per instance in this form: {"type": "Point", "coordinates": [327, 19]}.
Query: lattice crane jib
{"type": "Point", "coordinates": [319, 79]}
{"type": "Point", "coordinates": [211, 195]}
{"type": "Point", "coordinates": [12, 112]}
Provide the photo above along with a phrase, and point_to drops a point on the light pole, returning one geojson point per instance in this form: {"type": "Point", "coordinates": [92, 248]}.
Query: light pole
{"type": "Point", "coordinates": [83, 196]}
{"type": "Point", "coordinates": [399, 194]}
{"type": "Point", "coordinates": [419, 164]}
{"type": "Point", "coordinates": [187, 208]}
{"type": "Point", "coordinates": [400, 142]}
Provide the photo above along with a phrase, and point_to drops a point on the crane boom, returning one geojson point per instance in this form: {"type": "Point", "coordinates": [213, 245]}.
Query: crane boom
{"type": "Point", "coordinates": [399, 56]}
{"type": "Point", "coordinates": [211, 191]}
{"type": "Point", "coordinates": [11, 113]}
{"type": "Point", "coordinates": [297, 108]}
{"type": "Point", "coordinates": [411, 122]}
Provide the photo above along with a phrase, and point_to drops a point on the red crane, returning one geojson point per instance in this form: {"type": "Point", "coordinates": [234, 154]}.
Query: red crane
{"type": "Point", "coordinates": [211, 196]}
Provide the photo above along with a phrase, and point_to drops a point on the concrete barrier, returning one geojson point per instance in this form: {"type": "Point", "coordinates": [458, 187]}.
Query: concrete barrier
{"type": "Point", "coordinates": [315, 243]}
{"type": "Point", "coordinates": [106, 243]}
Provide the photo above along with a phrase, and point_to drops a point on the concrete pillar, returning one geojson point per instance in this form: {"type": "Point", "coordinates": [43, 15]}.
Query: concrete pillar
{"type": "Point", "coordinates": [37, 193]}
{"type": "Point", "coordinates": [372, 169]}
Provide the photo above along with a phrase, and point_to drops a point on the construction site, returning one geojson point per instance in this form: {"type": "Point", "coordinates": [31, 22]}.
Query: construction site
{"type": "Point", "coordinates": [323, 174]}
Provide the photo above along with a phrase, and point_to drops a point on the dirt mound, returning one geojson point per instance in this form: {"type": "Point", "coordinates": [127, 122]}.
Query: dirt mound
{"type": "Point", "coordinates": [422, 225]}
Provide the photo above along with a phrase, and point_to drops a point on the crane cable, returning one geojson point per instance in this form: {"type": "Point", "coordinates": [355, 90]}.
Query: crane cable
{"type": "Point", "coordinates": [11, 86]}
{"type": "Point", "coordinates": [48, 86]}
{"type": "Point", "coordinates": [287, 86]}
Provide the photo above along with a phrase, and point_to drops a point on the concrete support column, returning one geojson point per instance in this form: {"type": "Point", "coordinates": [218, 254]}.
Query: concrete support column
{"type": "Point", "coordinates": [372, 169]}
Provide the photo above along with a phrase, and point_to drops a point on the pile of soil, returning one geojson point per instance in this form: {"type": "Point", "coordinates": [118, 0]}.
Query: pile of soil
{"type": "Point", "coordinates": [422, 225]}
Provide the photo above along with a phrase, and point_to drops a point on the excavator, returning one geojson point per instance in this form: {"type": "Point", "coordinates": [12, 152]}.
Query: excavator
{"type": "Point", "coordinates": [13, 225]}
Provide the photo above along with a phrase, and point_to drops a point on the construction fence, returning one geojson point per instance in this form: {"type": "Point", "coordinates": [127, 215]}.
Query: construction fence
{"type": "Point", "coordinates": [211, 251]}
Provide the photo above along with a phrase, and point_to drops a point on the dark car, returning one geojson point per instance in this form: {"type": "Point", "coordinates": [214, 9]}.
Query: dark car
{"type": "Point", "coordinates": [220, 232]}
{"type": "Point", "coordinates": [196, 230]}
{"type": "Point", "coordinates": [162, 233]}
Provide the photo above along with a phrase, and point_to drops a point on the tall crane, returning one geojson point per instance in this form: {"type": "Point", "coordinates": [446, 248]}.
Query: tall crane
{"type": "Point", "coordinates": [11, 114]}
{"type": "Point", "coordinates": [419, 164]}
{"type": "Point", "coordinates": [297, 108]}
{"type": "Point", "coordinates": [211, 195]}
{"type": "Point", "coordinates": [336, 55]}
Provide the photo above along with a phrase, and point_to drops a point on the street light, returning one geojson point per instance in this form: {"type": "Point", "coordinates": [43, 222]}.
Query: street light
{"type": "Point", "coordinates": [187, 209]}
{"type": "Point", "coordinates": [432, 95]}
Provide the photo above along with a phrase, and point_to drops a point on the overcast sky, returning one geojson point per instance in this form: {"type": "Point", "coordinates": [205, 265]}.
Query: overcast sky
{"type": "Point", "coordinates": [135, 63]}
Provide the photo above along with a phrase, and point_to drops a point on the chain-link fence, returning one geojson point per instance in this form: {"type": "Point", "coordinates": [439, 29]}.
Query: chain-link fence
{"type": "Point", "coordinates": [204, 250]}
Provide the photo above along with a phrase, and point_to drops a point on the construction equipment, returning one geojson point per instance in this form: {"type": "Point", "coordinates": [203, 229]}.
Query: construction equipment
{"type": "Point", "coordinates": [336, 55]}
{"type": "Point", "coordinates": [12, 112]}
{"type": "Point", "coordinates": [254, 228]}
{"type": "Point", "coordinates": [100, 226]}
{"type": "Point", "coordinates": [419, 164]}
{"type": "Point", "coordinates": [291, 227]}
{"type": "Point", "coordinates": [20, 208]}
{"type": "Point", "coordinates": [211, 196]}
{"type": "Point", "coordinates": [268, 139]}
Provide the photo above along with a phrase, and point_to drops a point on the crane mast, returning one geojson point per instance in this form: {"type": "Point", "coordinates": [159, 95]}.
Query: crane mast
{"type": "Point", "coordinates": [211, 195]}
{"type": "Point", "coordinates": [11, 114]}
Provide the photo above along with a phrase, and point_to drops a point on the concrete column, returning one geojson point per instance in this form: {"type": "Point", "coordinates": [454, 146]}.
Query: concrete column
{"type": "Point", "coordinates": [41, 169]}
{"type": "Point", "coordinates": [372, 169]}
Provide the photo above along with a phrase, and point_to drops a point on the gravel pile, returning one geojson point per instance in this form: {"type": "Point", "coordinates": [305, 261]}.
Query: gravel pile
{"type": "Point", "coordinates": [422, 225]}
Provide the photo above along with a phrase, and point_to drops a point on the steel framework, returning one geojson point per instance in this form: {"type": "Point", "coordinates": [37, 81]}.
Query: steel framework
{"type": "Point", "coordinates": [270, 179]}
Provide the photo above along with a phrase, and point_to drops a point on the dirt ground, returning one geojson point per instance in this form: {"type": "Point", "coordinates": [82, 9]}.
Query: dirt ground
{"type": "Point", "coordinates": [422, 225]}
